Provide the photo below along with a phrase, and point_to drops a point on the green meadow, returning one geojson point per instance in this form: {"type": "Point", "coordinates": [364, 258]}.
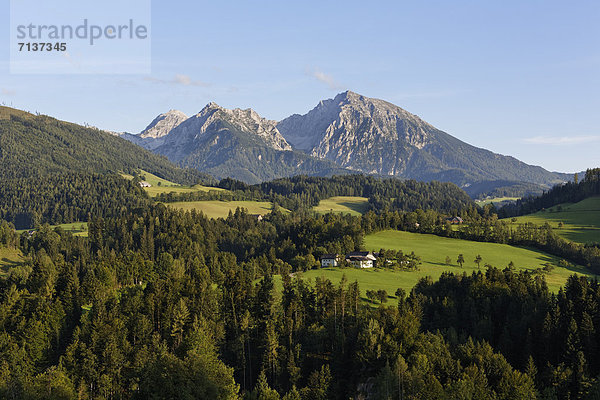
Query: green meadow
{"type": "Point", "coordinates": [433, 251]}
{"type": "Point", "coordinates": [220, 209]}
{"type": "Point", "coordinates": [160, 185]}
{"type": "Point", "coordinates": [580, 221]}
{"type": "Point", "coordinates": [496, 200]}
{"type": "Point", "coordinates": [76, 228]}
{"type": "Point", "coordinates": [9, 258]}
{"type": "Point", "coordinates": [343, 204]}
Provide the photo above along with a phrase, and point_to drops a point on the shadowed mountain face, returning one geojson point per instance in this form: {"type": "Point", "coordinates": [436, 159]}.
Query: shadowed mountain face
{"type": "Point", "coordinates": [377, 137]}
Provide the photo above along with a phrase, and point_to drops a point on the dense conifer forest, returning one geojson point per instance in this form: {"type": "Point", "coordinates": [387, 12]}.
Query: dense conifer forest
{"type": "Point", "coordinates": [569, 192]}
{"type": "Point", "coordinates": [158, 303]}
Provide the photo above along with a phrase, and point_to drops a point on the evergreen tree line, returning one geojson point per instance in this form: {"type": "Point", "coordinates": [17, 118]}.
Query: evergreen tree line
{"type": "Point", "coordinates": [166, 313]}
{"type": "Point", "coordinates": [302, 193]}
{"type": "Point", "coordinates": [554, 338]}
{"type": "Point", "coordinates": [570, 192]}
{"type": "Point", "coordinates": [67, 197]}
{"type": "Point", "coordinates": [8, 236]}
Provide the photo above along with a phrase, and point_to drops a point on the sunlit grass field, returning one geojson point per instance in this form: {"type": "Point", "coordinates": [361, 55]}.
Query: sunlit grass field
{"type": "Point", "coordinates": [496, 200]}
{"type": "Point", "coordinates": [76, 228]}
{"type": "Point", "coordinates": [220, 209]}
{"type": "Point", "coordinates": [580, 221]}
{"type": "Point", "coordinates": [343, 204]}
{"type": "Point", "coordinates": [433, 251]}
{"type": "Point", "coordinates": [9, 258]}
{"type": "Point", "coordinates": [160, 186]}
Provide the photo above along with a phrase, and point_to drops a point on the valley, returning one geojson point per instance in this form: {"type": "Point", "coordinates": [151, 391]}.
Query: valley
{"type": "Point", "coordinates": [109, 261]}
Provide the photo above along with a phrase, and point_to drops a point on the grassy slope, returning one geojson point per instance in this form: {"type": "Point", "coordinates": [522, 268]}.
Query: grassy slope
{"type": "Point", "coordinates": [76, 228]}
{"type": "Point", "coordinates": [9, 258]}
{"type": "Point", "coordinates": [216, 208]}
{"type": "Point", "coordinates": [343, 204]}
{"type": "Point", "coordinates": [170, 187]}
{"type": "Point", "coordinates": [496, 200]}
{"type": "Point", "coordinates": [581, 221]}
{"type": "Point", "coordinates": [433, 251]}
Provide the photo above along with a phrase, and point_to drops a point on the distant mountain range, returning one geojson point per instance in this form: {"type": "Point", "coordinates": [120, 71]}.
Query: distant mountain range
{"type": "Point", "coordinates": [349, 133]}
{"type": "Point", "coordinates": [229, 143]}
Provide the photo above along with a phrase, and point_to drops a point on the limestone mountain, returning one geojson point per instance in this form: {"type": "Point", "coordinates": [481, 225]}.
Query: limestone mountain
{"type": "Point", "coordinates": [377, 137]}
{"type": "Point", "coordinates": [231, 143]}
{"type": "Point", "coordinates": [163, 124]}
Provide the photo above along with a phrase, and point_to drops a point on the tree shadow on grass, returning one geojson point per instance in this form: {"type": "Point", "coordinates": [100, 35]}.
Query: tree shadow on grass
{"type": "Point", "coordinates": [10, 263]}
{"type": "Point", "coordinates": [360, 208]}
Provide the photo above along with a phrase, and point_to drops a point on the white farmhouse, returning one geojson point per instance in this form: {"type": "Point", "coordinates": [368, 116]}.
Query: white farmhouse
{"type": "Point", "coordinates": [361, 259]}
{"type": "Point", "coordinates": [329, 260]}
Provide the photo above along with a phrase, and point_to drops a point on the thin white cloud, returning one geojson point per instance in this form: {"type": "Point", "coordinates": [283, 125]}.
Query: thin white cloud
{"type": "Point", "coordinates": [7, 92]}
{"type": "Point", "coordinates": [179, 79]}
{"type": "Point", "coordinates": [562, 140]}
{"type": "Point", "coordinates": [324, 78]}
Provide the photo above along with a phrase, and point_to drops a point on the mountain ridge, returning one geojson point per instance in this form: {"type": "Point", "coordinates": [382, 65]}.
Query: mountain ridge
{"type": "Point", "coordinates": [349, 133]}
{"type": "Point", "coordinates": [378, 137]}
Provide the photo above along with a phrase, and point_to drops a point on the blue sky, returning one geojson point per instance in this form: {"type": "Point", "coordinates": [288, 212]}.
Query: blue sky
{"type": "Point", "coordinates": [520, 78]}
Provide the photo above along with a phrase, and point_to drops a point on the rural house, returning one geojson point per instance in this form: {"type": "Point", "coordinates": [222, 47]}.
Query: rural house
{"type": "Point", "coordinates": [361, 259]}
{"type": "Point", "coordinates": [455, 220]}
{"type": "Point", "coordinates": [329, 260]}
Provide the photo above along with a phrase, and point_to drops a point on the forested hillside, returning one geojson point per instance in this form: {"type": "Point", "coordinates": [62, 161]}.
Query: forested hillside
{"type": "Point", "coordinates": [55, 172]}
{"type": "Point", "coordinates": [302, 193]}
{"type": "Point", "coordinates": [164, 304]}
{"type": "Point", "coordinates": [570, 192]}
{"type": "Point", "coordinates": [33, 146]}
{"type": "Point", "coordinates": [67, 197]}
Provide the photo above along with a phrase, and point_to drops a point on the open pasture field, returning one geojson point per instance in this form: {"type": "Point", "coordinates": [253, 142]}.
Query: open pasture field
{"type": "Point", "coordinates": [9, 258]}
{"type": "Point", "coordinates": [160, 185]}
{"type": "Point", "coordinates": [343, 204]}
{"type": "Point", "coordinates": [580, 221]}
{"type": "Point", "coordinates": [433, 251]}
{"type": "Point", "coordinates": [220, 209]}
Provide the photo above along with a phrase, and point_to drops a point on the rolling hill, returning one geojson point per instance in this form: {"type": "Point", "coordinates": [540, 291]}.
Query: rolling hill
{"type": "Point", "coordinates": [35, 145]}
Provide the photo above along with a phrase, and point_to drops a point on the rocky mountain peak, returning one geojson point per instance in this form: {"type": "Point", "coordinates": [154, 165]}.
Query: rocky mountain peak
{"type": "Point", "coordinates": [211, 118]}
{"type": "Point", "coordinates": [163, 124]}
{"type": "Point", "coordinates": [338, 128]}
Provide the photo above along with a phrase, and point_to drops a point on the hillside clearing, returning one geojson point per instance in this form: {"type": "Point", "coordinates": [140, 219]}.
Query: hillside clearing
{"type": "Point", "coordinates": [498, 201]}
{"type": "Point", "coordinates": [580, 221]}
{"type": "Point", "coordinates": [352, 205]}
{"type": "Point", "coordinates": [9, 258]}
{"type": "Point", "coordinates": [160, 185]}
{"type": "Point", "coordinates": [434, 249]}
{"type": "Point", "coordinates": [220, 209]}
